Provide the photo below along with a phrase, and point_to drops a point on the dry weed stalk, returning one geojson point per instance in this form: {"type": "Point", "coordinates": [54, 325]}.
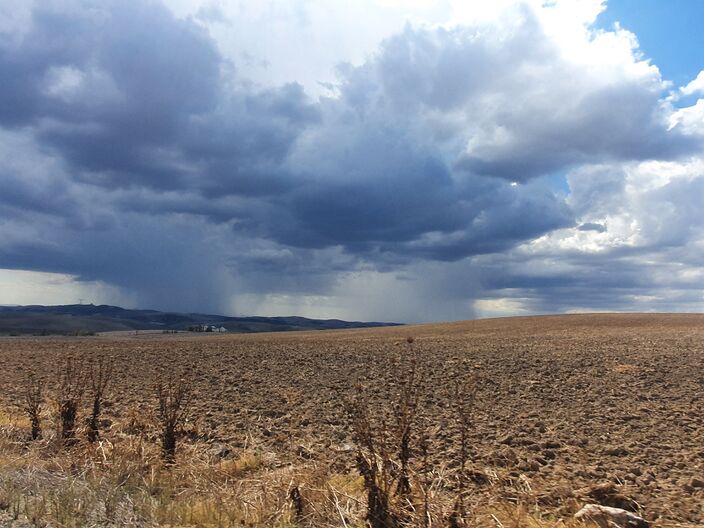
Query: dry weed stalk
{"type": "Point", "coordinates": [405, 412]}
{"type": "Point", "coordinates": [463, 401]}
{"type": "Point", "coordinates": [426, 478]}
{"type": "Point", "coordinates": [99, 375]}
{"type": "Point", "coordinates": [174, 399]}
{"type": "Point", "coordinates": [71, 384]}
{"type": "Point", "coordinates": [33, 400]}
{"type": "Point", "coordinates": [374, 464]}
{"type": "Point", "coordinates": [387, 478]}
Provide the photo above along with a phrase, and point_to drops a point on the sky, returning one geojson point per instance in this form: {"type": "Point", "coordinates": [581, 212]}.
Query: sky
{"type": "Point", "coordinates": [417, 160]}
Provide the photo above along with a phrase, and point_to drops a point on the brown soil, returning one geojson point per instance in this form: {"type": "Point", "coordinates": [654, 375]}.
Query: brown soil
{"type": "Point", "coordinates": [569, 409]}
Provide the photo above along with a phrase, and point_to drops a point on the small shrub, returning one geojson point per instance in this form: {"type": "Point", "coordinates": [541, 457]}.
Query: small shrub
{"type": "Point", "coordinates": [99, 375]}
{"type": "Point", "coordinates": [71, 385]}
{"type": "Point", "coordinates": [174, 399]}
{"type": "Point", "coordinates": [33, 400]}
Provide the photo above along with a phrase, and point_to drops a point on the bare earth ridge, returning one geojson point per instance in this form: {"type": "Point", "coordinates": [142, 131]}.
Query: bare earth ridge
{"type": "Point", "coordinates": [565, 405]}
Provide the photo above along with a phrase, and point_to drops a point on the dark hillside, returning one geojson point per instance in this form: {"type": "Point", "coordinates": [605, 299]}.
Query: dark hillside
{"type": "Point", "coordinates": [89, 318]}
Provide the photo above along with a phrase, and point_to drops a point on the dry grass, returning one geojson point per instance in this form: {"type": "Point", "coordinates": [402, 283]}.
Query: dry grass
{"type": "Point", "coordinates": [123, 480]}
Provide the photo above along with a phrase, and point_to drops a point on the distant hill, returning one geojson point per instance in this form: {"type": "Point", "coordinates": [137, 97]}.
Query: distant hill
{"type": "Point", "coordinates": [88, 318]}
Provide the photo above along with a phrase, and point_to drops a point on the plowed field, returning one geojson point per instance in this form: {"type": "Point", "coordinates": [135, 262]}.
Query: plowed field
{"type": "Point", "coordinates": [567, 409]}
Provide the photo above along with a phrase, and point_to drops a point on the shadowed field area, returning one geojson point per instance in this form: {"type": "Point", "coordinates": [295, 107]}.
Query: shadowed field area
{"type": "Point", "coordinates": [563, 411]}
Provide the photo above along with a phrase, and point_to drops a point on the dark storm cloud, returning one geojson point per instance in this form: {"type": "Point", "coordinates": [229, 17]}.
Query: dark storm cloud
{"type": "Point", "coordinates": [139, 68]}
{"type": "Point", "coordinates": [388, 201]}
{"type": "Point", "coordinates": [110, 86]}
{"type": "Point", "coordinates": [174, 265]}
{"type": "Point", "coordinates": [20, 197]}
{"type": "Point", "coordinates": [131, 96]}
{"type": "Point", "coordinates": [151, 164]}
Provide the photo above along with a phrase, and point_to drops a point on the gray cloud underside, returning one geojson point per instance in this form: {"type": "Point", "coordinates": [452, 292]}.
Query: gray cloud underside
{"type": "Point", "coordinates": [135, 154]}
{"type": "Point", "coordinates": [643, 282]}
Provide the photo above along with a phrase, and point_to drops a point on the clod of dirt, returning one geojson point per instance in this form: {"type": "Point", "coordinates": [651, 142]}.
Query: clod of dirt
{"type": "Point", "coordinates": [552, 444]}
{"type": "Point", "coordinates": [506, 440]}
{"type": "Point", "coordinates": [530, 466]}
{"type": "Point", "coordinates": [504, 457]}
{"type": "Point", "coordinates": [696, 482]}
{"type": "Point", "coordinates": [616, 451]}
{"type": "Point", "coordinates": [693, 483]}
{"type": "Point", "coordinates": [477, 477]}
